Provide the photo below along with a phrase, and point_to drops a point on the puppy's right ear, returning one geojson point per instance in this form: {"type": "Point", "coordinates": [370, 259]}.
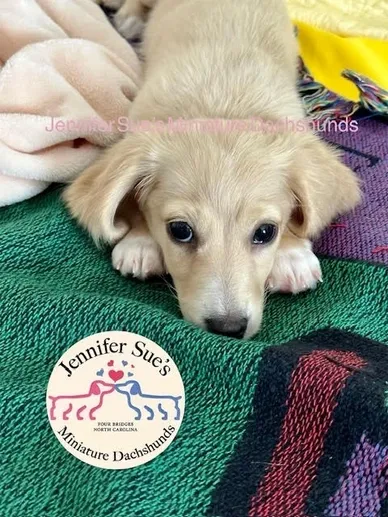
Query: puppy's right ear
{"type": "Point", "coordinates": [322, 185]}
{"type": "Point", "coordinates": [95, 196]}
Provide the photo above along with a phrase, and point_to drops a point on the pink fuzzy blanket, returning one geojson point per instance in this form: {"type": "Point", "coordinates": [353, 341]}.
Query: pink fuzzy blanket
{"type": "Point", "coordinates": [66, 78]}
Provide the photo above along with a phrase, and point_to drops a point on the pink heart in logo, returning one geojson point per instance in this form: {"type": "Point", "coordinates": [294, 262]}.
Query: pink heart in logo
{"type": "Point", "coordinates": [115, 375]}
{"type": "Point", "coordinates": [111, 363]}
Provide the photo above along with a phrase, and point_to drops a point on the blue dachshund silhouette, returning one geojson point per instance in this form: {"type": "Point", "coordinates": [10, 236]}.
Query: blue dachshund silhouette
{"type": "Point", "coordinates": [142, 403]}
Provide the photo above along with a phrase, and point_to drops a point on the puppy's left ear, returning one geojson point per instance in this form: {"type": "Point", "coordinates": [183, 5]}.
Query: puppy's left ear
{"type": "Point", "coordinates": [113, 185]}
{"type": "Point", "coordinates": [322, 186]}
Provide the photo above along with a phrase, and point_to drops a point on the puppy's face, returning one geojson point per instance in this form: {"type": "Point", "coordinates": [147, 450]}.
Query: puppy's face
{"type": "Point", "coordinates": [217, 205]}
{"type": "Point", "coordinates": [217, 208]}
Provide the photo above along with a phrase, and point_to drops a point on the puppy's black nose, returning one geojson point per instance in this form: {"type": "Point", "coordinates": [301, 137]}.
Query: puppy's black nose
{"type": "Point", "coordinates": [227, 326]}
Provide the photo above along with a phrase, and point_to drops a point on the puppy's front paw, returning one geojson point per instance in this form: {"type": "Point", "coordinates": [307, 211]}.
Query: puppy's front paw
{"type": "Point", "coordinates": [130, 27]}
{"type": "Point", "coordinates": [138, 255]}
{"type": "Point", "coordinates": [295, 269]}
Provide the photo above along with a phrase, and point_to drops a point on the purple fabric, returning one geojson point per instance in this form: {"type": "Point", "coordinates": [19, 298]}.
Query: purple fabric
{"type": "Point", "coordinates": [365, 484]}
{"type": "Point", "coordinates": [361, 233]}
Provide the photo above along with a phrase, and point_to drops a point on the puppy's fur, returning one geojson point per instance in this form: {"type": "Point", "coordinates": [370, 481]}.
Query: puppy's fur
{"type": "Point", "coordinates": [216, 59]}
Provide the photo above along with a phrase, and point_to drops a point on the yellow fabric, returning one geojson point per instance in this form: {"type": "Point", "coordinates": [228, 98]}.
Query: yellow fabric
{"type": "Point", "coordinates": [326, 55]}
{"type": "Point", "coordinates": [367, 18]}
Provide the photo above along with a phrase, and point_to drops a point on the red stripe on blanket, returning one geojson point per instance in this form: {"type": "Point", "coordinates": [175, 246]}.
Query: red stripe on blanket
{"type": "Point", "coordinates": [313, 392]}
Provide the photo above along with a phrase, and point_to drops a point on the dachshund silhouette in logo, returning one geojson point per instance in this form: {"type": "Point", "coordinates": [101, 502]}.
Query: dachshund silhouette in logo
{"type": "Point", "coordinates": [81, 406]}
{"type": "Point", "coordinates": [151, 405]}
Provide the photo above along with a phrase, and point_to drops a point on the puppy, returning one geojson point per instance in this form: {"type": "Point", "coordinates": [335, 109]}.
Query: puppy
{"type": "Point", "coordinates": [151, 406]}
{"type": "Point", "coordinates": [130, 17]}
{"type": "Point", "coordinates": [228, 214]}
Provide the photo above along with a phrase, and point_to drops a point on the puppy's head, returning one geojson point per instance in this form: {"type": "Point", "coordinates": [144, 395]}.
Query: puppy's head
{"type": "Point", "coordinates": [217, 204]}
{"type": "Point", "coordinates": [98, 387]}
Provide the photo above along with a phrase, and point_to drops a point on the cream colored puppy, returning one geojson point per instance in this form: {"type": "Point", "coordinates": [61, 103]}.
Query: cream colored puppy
{"type": "Point", "coordinates": [227, 213]}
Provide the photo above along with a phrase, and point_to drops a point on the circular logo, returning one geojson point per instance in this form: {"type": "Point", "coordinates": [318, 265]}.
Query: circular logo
{"type": "Point", "coordinates": [115, 400]}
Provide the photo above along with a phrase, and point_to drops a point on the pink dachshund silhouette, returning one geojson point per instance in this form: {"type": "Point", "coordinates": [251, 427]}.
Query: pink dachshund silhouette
{"type": "Point", "coordinates": [63, 405]}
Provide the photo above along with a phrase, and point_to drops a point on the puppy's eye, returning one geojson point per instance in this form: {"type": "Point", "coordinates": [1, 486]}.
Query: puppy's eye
{"type": "Point", "coordinates": [180, 231]}
{"type": "Point", "coordinates": [265, 234]}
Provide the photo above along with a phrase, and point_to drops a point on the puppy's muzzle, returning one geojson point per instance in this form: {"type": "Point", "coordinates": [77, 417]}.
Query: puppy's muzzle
{"type": "Point", "coordinates": [228, 326]}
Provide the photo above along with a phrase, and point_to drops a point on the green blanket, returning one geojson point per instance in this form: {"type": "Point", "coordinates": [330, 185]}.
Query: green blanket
{"type": "Point", "coordinates": [57, 288]}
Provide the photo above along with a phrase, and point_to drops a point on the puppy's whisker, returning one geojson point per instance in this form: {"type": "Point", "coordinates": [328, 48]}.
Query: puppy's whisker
{"type": "Point", "coordinates": [171, 288]}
